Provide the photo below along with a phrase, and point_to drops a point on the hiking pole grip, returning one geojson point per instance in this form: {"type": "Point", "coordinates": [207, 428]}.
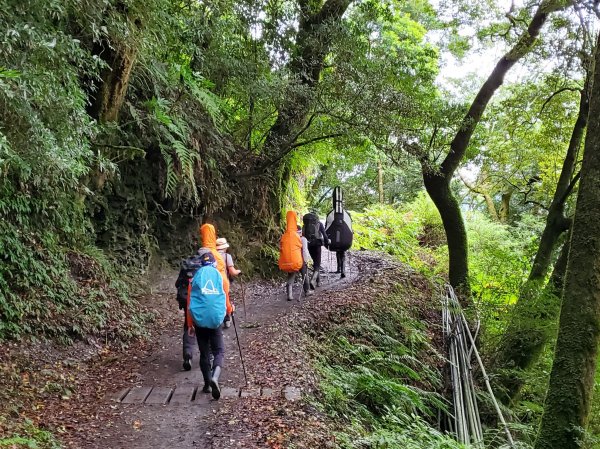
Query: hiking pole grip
{"type": "Point", "coordinates": [237, 337]}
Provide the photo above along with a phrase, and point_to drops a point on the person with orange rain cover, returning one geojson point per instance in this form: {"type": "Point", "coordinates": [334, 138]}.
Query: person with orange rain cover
{"type": "Point", "coordinates": [293, 254]}
{"type": "Point", "coordinates": [208, 238]}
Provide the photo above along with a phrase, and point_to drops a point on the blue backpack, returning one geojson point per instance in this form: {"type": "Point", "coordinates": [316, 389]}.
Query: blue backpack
{"type": "Point", "coordinates": [207, 299]}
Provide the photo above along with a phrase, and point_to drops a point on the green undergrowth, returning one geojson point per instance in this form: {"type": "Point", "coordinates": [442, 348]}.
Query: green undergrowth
{"type": "Point", "coordinates": [381, 377]}
{"type": "Point", "coordinates": [30, 437]}
{"type": "Point", "coordinates": [51, 290]}
{"type": "Point", "coordinates": [499, 255]}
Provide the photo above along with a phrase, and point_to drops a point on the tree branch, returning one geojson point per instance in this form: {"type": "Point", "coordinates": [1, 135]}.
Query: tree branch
{"type": "Point", "coordinates": [554, 94]}
{"type": "Point", "coordinates": [315, 139]}
{"type": "Point", "coordinates": [570, 188]}
{"type": "Point", "coordinates": [525, 43]}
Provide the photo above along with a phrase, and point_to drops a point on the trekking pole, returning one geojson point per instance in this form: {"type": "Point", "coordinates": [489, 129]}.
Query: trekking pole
{"type": "Point", "coordinates": [237, 337]}
{"type": "Point", "coordinates": [243, 296]}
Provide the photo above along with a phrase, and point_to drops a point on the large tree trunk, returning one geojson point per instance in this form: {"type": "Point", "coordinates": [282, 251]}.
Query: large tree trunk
{"type": "Point", "coordinates": [504, 211]}
{"type": "Point", "coordinates": [437, 182]}
{"type": "Point", "coordinates": [571, 384]}
{"type": "Point", "coordinates": [454, 226]}
{"type": "Point", "coordinates": [534, 316]}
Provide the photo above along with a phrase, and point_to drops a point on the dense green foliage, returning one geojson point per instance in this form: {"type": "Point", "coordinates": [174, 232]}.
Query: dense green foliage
{"type": "Point", "coordinates": [501, 259]}
{"type": "Point", "coordinates": [125, 123]}
{"type": "Point", "coordinates": [375, 383]}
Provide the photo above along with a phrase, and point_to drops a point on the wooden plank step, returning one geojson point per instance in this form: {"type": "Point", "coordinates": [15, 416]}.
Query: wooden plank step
{"type": "Point", "coordinates": [120, 395]}
{"type": "Point", "coordinates": [250, 392]}
{"type": "Point", "coordinates": [137, 395]}
{"type": "Point", "coordinates": [230, 393]}
{"type": "Point", "coordinates": [269, 393]}
{"type": "Point", "coordinates": [292, 393]}
{"type": "Point", "coordinates": [183, 395]}
{"type": "Point", "coordinates": [159, 395]}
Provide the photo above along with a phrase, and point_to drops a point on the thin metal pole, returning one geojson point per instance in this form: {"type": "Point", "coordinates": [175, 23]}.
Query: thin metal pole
{"type": "Point", "coordinates": [489, 388]}
{"type": "Point", "coordinates": [243, 288]}
{"type": "Point", "coordinates": [237, 337]}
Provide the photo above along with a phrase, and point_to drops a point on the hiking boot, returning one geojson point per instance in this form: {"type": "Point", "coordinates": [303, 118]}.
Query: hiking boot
{"type": "Point", "coordinates": [214, 383]}
{"type": "Point", "coordinates": [206, 376]}
{"type": "Point", "coordinates": [187, 362]}
{"type": "Point", "coordinates": [290, 294]}
{"type": "Point", "coordinates": [343, 275]}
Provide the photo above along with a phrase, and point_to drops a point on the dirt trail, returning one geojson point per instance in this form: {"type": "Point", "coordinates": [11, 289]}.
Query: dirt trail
{"type": "Point", "coordinates": [136, 426]}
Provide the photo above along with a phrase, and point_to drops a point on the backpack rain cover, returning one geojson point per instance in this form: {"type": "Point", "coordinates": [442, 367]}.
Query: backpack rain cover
{"type": "Point", "coordinates": [207, 298]}
{"type": "Point", "coordinates": [290, 246]}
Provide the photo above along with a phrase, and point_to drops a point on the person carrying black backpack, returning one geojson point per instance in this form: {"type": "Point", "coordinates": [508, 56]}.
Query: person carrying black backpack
{"type": "Point", "coordinates": [188, 269]}
{"type": "Point", "coordinates": [314, 231]}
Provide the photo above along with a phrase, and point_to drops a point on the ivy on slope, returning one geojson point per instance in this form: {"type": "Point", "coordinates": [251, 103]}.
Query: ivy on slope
{"type": "Point", "coordinates": [45, 156]}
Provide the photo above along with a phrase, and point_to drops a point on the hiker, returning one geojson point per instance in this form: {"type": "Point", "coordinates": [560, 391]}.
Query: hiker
{"type": "Point", "coordinates": [209, 241]}
{"type": "Point", "coordinates": [187, 270]}
{"type": "Point", "coordinates": [293, 255]}
{"type": "Point", "coordinates": [338, 228]}
{"type": "Point", "coordinates": [207, 305]}
{"type": "Point", "coordinates": [230, 269]}
{"type": "Point", "coordinates": [314, 231]}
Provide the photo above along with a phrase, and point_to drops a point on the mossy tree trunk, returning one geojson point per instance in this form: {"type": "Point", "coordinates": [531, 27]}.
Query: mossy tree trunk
{"type": "Point", "coordinates": [504, 210]}
{"type": "Point", "coordinates": [115, 80]}
{"type": "Point", "coordinates": [438, 187]}
{"type": "Point", "coordinates": [571, 386]}
{"type": "Point", "coordinates": [437, 179]}
{"type": "Point", "coordinates": [533, 318]}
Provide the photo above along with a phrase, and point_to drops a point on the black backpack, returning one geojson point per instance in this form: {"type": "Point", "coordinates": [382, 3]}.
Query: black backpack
{"type": "Point", "coordinates": [312, 230]}
{"type": "Point", "coordinates": [187, 270]}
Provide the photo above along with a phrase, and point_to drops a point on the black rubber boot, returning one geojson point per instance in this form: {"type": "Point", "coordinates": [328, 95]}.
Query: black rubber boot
{"type": "Point", "coordinates": [206, 376]}
{"type": "Point", "coordinates": [342, 267]}
{"type": "Point", "coordinates": [290, 294]}
{"type": "Point", "coordinates": [214, 383]}
{"type": "Point", "coordinates": [187, 362]}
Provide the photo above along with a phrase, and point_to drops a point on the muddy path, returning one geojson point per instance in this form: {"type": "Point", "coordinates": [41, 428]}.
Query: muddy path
{"type": "Point", "coordinates": [162, 413]}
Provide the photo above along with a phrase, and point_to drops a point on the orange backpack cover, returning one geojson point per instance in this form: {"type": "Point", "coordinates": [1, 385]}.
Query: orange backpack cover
{"type": "Point", "coordinates": [290, 246]}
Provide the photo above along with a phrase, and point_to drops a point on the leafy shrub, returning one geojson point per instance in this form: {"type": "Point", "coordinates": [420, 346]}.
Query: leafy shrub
{"type": "Point", "coordinates": [403, 232]}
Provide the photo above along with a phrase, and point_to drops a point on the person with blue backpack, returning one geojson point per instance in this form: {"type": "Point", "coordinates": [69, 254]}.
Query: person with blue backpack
{"type": "Point", "coordinates": [207, 305]}
{"type": "Point", "coordinates": [188, 268]}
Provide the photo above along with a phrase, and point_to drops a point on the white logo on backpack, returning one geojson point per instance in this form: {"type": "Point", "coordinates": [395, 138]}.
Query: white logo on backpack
{"type": "Point", "coordinates": [209, 288]}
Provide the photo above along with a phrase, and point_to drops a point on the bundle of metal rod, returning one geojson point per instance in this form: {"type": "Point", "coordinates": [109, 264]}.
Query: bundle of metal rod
{"type": "Point", "coordinates": [460, 342]}
{"type": "Point", "coordinates": [466, 422]}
